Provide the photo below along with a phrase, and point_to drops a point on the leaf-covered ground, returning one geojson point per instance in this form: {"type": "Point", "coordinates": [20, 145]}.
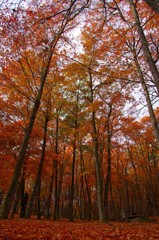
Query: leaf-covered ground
{"type": "Point", "coordinates": [19, 229]}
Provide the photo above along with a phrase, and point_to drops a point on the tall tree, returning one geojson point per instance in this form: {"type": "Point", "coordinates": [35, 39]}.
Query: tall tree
{"type": "Point", "coordinates": [69, 12]}
{"type": "Point", "coordinates": [37, 184]}
{"type": "Point", "coordinates": [145, 46]}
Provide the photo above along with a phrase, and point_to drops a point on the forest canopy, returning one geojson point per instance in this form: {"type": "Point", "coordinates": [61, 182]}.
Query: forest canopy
{"type": "Point", "coordinates": [79, 112]}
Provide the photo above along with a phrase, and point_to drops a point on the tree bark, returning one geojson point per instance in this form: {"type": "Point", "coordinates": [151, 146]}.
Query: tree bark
{"type": "Point", "coordinates": [107, 183]}
{"type": "Point", "coordinates": [5, 209]}
{"type": "Point", "coordinates": [36, 188]}
{"type": "Point", "coordinates": [23, 198]}
{"type": "Point", "coordinates": [88, 215]}
{"type": "Point", "coordinates": [154, 5]}
{"type": "Point", "coordinates": [71, 215]}
{"type": "Point", "coordinates": [48, 202]}
{"type": "Point", "coordinates": [39, 201]}
{"type": "Point", "coordinates": [97, 160]}
{"type": "Point", "coordinates": [55, 166]}
{"type": "Point", "coordinates": [146, 51]}
{"type": "Point", "coordinates": [70, 13]}
{"type": "Point", "coordinates": [148, 100]}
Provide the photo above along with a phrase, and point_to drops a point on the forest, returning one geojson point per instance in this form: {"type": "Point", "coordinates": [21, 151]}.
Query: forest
{"type": "Point", "coordinates": [79, 109]}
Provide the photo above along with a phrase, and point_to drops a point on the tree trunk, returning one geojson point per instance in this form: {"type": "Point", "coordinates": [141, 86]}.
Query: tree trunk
{"type": "Point", "coordinates": [55, 166]}
{"type": "Point", "coordinates": [107, 183]}
{"type": "Point", "coordinates": [60, 189]}
{"type": "Point", "coordinates": [97, 160]}
{"type": "Point", "coordinates": [137, 182]}
{"type": "Point", "coordinates": [150, 186]}
{"type": "Point", "coordinates": [16, 202]}
{"type": "Point", "coordinates": [5, 209]}
{"type": "Point", "coordinates": [23, 199]}
{"type": "Point", "coordinates": [70, 14]}
{"type": "Point", "coordinates": [39, 172]}
{"type": "Point", "coordinates": [39, 202]}
{"type": "Point", "coordinates": [88, 215]}
{"type": "Point", "coordinates": [146, 51]}
{"type": "Point", "coordinates": [71, 217]}
{"type": "Point", "coordinates": [48, 202]}
{"type": "Point", "coordinates": [154, 5]}
{"type": "Point", "coordinates": [148, 100]}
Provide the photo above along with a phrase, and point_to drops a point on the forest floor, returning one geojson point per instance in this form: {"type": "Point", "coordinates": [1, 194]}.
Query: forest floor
{"type": "Point", "coordinates": [24, 229]}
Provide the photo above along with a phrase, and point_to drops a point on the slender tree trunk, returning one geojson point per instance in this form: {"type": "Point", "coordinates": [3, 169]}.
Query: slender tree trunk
{"type": "Point", "coordinates": [139, 195]}
{"type": "Point", "coordinates": [39, 201]}
{"type": "Point", "coordinates": [70, 14]}
{"type": "Point", "coordinates": [22, 190]}
{"type": "Point", "coordinates": [82, 203]}
{"type": "Point", "coordinates": [23, 199]}
{"type": "Point", "coordinates": [154, 5]}
{"type": "Point", "coordinates": [107, 183]}
{"type": "Point", "coordinates": [152, 188]}
{"type": "Point", "coordinates": [61, 196]}
{"type": "Point", "coordinates": [60, 189]}
{"type": "Point", "coordinates": [55, 166]}
{"type": "Point", "coordinates": [127, 198]}
{"type": "Point", "coordinates": [16, 202]}
{"type": "Point", "coordinates": [61, 173]}
{"type": "Point", "coordinates": [98, 174]}
{"type": "Point", "coordinates": [146, 51]}
{"type": "Point", "coordinates": [86, 183]}
{"type": "Point", "coordinates": [39, 172]}
{"type": "Point", "coordinates": [147, 168]}
{"type": "Point", "coordinates": [148, 100]}
{"type": "Point", "coordinates": [5, 209]}
{"type": "Point", "coordinates": [48, 203]}
{"type": "Point", "coordinates": [55, 189]}
{"type": "Point", "coordinates": [97, 160]}
{"type": "Point", "coordinates": [112, 205]}
{"type": "Point", "coordinates": [71, 217]}
{"type": "Point", "coordinates": [155, 163]}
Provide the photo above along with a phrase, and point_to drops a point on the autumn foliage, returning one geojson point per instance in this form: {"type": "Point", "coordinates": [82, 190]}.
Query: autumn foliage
{"type": "Point", "coordinates": [48, 230]}
{"type": "Point", "coordinates": [79, 118]}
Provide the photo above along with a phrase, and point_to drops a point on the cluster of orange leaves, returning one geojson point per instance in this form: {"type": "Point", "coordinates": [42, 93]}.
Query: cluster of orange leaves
{"type": "Point", "coordinates": [63, 230]}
